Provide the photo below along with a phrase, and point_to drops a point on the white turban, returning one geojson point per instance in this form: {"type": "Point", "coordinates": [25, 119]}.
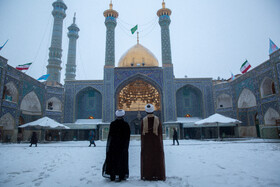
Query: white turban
{"type": "Point", "coordinates": [149, 108]}
{"type": "Point", "coordinates": [120, 113]}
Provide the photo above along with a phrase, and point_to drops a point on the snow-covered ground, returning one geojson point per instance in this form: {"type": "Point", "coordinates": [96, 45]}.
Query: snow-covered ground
{"type": "Point", "coordinates": [194, 163]}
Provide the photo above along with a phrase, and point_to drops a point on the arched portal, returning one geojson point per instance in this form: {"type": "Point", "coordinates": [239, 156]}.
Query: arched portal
{"type": "Point", "coordinates": [224, 101]}
{"type": "Point", "coordinates": [267, 87]}
{"type": "Point", "coordinates": [189, 102]}
{"type": "Point", "coordinates": [133, 98]}
{"type": "Point", "coordinates": [89, 104]}
{"type": "Point", "coordinates": [135, 95]}
{"type": "Point", "coordinates": [271, 116]}
{"type": "Point", "coordinates": [10, 92]}
{"type": "Point", "coordinates": [54, 104]}
{"type": "Point", "coordinates": [7, 124]}
{"type": "Point", "coordinates": [246, 99]}
{"type": "Point", "coordinates": [30, 105]}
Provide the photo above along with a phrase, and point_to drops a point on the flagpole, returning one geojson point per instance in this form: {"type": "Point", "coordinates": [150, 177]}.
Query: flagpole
{"type": "Point", "coordinates": [1, 47]}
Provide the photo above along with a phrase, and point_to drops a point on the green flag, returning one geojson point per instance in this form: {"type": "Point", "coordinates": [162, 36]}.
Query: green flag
{"type": "Point", "coordinates": [134, 29]}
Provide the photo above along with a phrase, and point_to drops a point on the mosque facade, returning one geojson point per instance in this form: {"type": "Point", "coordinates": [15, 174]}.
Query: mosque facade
{"type": "Point", "coordinates": [84, 105]}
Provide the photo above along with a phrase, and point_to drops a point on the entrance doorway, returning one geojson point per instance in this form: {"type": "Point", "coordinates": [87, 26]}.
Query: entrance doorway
{"type": "Point", "coordinates": [133, 98]}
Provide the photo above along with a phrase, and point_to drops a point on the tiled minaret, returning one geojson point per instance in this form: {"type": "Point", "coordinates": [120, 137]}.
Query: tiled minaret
{"type": "Point", "coordinates": [108, 101]}
{"type": "Point", "coordinates": [71, 59]}
{"type": "Point", "coordinates": [164, 22]}
{"type": "Point", "coordinates": [53, 67]}
{"type": "Point", "coordinates": [168, 75]}
{"type": "Point", "coordinates": [110, 22]}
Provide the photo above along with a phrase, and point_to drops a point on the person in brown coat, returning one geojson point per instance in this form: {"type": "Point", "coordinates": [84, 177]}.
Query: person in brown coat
{"type": "Point", "coordinates": [152, 153]}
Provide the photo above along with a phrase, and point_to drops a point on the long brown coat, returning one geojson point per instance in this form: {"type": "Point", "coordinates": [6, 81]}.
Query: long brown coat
{"type": "Point", "coordinates": [152, 153]}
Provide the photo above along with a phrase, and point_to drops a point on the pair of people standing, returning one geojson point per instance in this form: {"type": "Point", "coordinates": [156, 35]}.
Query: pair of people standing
{"type": "Point", "coordinates": [152, 153]}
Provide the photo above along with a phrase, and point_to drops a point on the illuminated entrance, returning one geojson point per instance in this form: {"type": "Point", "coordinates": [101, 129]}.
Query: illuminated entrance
{"type": "Point", "coordinates": [136, 95]}
{"type": "Point", "coordinates": [133, 97]}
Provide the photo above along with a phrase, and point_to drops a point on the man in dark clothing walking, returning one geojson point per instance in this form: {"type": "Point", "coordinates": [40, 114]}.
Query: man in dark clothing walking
{"type": "Point", "coordinates": [175, 136]}
{"type": "Point", "coordinates": [116, 163]}
{"type": "Point", "coordinates": [91, 138]}
{"type": "Point", "coordinates": [34, 139]}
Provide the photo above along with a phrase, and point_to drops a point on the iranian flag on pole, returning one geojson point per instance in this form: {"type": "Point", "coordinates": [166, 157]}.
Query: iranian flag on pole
{"type": "Point", "coordinates": [245, 67]}
{"type": "Point", "coordinates": [23, 66]}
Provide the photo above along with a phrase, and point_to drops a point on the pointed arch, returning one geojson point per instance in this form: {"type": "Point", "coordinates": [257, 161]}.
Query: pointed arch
{"type": "Point", "coordinates": [138, 76]}
{"type": "Point", "coordinates": [135, 95]}
{"type": "Point", "coordinates": [88, 103]}
{"type": "Point", "coordinates": [224, 101]}
{"type": "Point", "coordinates": [10, 92]}
{"type": "Point", "coordinates": [149, 85]}
{"type": "Point", "coordinates": [30, 104]}
{"type": "Point", "coordinates": [246, 99]}
{"type": "Point", "coordinates": [267, 87]}
{"type": "Point", "coordinates": [270, 116]}
{"type": "Point", "coordinates": [8, 122]}
{"type": "Point", "coordinates": [189, 101]}
{"type": "Point", "coordinates": [54, 104]}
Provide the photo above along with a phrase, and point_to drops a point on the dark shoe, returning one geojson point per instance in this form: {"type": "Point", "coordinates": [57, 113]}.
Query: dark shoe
{"type": "Point", "coordinates": [90, 145]}
{"type": "Point", "coordinates": [118, 179]}
{"type": "Point", "coordinates": [30, 145]}
{"type": "Point", "coordinates": [94, 145]}
{"type": "Point", "coordinates": [112, 178]}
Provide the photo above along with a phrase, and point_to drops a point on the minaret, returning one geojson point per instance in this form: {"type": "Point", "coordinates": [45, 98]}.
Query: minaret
{"type": "Point", "coordinates": [71, 59]}
{"type": "Point", "coordinates": [111, 16]}
{"type": "Point", "coordinates": [168, 75]}
{"type": "Point", "coordinates": [54, 68]}
{"type": "Point", "coordinates": [110, 22]}
{"type": "Point", "coordinates": [164, 22]}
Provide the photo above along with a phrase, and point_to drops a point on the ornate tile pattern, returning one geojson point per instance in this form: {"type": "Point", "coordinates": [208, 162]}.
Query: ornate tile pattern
{"type": "Point", "coordinates": [206, 88]}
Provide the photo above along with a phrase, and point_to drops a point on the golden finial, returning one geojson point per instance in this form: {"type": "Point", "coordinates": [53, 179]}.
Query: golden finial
{"type": "Point", "coordinates": [111, 5]}
{"type": "Point", "coordinates": [137, 37]}
{"type": "Point", "coordinates": [110, 12]}
{"type": "Point", "coordinates": [163, 4]}
{"type": "Point", "coordinates": [163, 10]}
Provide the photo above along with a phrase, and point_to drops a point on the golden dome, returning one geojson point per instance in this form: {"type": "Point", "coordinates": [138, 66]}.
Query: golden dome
{"type": "Point", "coordinates": [138, 56]}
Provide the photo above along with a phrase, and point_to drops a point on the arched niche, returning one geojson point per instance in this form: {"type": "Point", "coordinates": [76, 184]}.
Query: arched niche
{"type": "Point", "coordinates": [8, 122]}
{"type": "Point", "coordinates": [270, 117]}
{"type": "Point", "coordinates": [267, 87]}
{"type": "Point", "coordinates": [224, 101]}
{"type": "Point", "coordinates": [136, 94]}
{"type": "Point", "coordinates": [10, 92]}
{"type": "Point", "coordinates": [88, 104]}
{"type": "Point", "coordinates": [54, 104]}
{"type": "Point", "coordinates": [246, 99]}
{"type": "Point", "coordinates": [30, 104]}
{"type": "Point", "coordinates": [189, 101]}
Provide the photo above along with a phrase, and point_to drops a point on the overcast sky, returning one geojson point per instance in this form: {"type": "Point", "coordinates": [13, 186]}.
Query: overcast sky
{"type": "Point", "coordinates": [209, 38]}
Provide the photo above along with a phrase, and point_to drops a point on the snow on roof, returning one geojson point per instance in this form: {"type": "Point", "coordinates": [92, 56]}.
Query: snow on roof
{"type": "Point", "coordinates": [217, 118]}
{"type": "Point", "coordinates": [88, 121]}
{"type": "Point", "coordinates": [85, 124]}
{"type": "Point", "coordinates": [44, 122]}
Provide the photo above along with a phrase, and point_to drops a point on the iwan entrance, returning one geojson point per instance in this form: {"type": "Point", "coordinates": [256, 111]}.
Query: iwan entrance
{"type": "Point", "coordinates": [133, 97]}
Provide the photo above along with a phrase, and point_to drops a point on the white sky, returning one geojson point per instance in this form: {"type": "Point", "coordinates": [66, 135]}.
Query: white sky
{"type": "Point", "coordinates": [208, 38]}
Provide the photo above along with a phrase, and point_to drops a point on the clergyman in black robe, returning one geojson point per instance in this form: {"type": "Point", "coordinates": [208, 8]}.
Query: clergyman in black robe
{"type": "Point", "coordinates": [116, 163]}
